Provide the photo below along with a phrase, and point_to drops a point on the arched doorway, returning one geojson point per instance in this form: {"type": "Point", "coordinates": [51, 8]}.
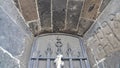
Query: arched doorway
{"type": "Point", "coordinates": [48, 48]}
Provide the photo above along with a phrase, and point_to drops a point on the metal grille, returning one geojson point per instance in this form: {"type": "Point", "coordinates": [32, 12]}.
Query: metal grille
{"type": "Point", "coordinates": [82, 57]}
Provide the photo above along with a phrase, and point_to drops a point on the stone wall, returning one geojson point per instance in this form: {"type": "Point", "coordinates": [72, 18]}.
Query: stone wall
{"type": "Point", "coordinates": [15, 37]}
{"type": "Point", "coordinates": [103, 38]}
{"type": "Point", "coordinates": [63, 16]}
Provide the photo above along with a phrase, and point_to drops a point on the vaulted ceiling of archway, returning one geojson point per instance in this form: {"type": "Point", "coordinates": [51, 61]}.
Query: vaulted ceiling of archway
{"type": "Point", "coordinates": [67, 16]}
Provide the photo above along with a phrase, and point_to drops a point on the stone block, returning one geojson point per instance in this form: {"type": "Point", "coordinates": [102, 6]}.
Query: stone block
{"type": "Point", "coordinates": [90, 41]}
{"type": "Point", "coordinates": [73, 13]}
{"type": "Point", "coordinates": [16, 3]}
{"type": "Point", "coordinates": [84, 25]}
{"type": "Point", "coordinates": [104, 4]}
{"type": "Point", "coordinates": [90, 56]}
{"type": "Point", "coordinates": [95, 43]}
{"type": "Point", "coordinates": [110, 35]}
{"type": "Point", "coordinates": [101, 52]}
{"type": "Point", "coordinates": [108, 49]}
{"type": "Point", "coordinates": [11, 35]}
{"type": "Point", "coordinates": [28, 9]}
{"type": "Point", "coordinates": [90, 9]}
{"type": "Point", "coordinates": [59, 10]}
{"type": "Point", "coordinates": [34, 27]}
{"type": "Point", "coordinates": [15, 36]}
{"type": "Point", "coordinates": [115, 26]}
{"type": "Point", "coordinates": [44, 9]}
{"type": "Point", "coordinates": [113, 60]}
{"type": "Point", "coordinates": [95, 53]}
{"type": "Point", "coordinates": [7, 60]}
{"type": "Point", "coordinates": [14, 14]}
{"type": "Point", "coordinates": [101, 38]}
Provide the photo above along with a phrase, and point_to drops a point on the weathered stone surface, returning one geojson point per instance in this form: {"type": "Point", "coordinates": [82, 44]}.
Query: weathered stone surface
{"type": "Point", "coordinates": [94, 44]}
{"type": "Point", "coordinates": [90, 9]}
{"type": "Point", "coordinates": [108, 49]}
{"type": "Point", "coordinates": [90, 41]}
{"type": "Point", "coordinates": [7, 60]}
{"type": "Point", "coordinates": [28, 9]}
{"type": "Point", "coordinates": [113, 61]}
{"type": "Point", "coordinates": [110, 36]}
{"type": "Point", "coordinates": [101, 38]}
{"type": "Point", "coordinates": [115, 25]}
{"type": "Point", "coordinates": [94, 47]}
{"type": "Point", "coordinates": [17, 3]}
{"type": "Point", "coordinates": [100, 45]}
{"type": "Point", "coordinates": [60, 16]}
{"type": "Point", "coordinates": [91, 56]}
{"type": "Point", "coordinates": [95, 41]}
{"type": "Point", "coordinates": [14, 15]}
{"type": "Point", "coordinates": [103, 5]}
{"type": "Point", "coordinates": [97, 46]}
{"type": "Point", "coordinates": [73, 13]}
{"type": "Point", "coordinates": [83, 27]}
{"type": "Point", "coordinates": [107, 34]}
{"type": "Point", "coordinates": [44, 7]}
{"type": "Point", "coordinates": [101, 52]}
{"type": "Point", "coordinates": [15, 37]}
{"type": "Point", "coordinates": [34, 27]}
{"type": "Point", "coordinates": [59, 7]}
{"type": "Point", "coordinates": [9, 30]}
{"type": "Point", "coordinates": [116, 29]}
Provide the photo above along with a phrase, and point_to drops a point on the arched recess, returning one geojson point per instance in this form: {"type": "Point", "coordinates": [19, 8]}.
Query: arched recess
{"type": "Point", "coordinates": [47, 47]}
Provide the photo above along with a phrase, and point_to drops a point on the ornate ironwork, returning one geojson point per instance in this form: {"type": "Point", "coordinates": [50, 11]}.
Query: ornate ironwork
{"type": "Point", "coordinates": [59, 45]}
{"type": "Point", "coordinates": [48, 53]}
{"type": "Point", "coordinates": [59, 59]}
{"type": "Point", "coordinates": [69, 52]}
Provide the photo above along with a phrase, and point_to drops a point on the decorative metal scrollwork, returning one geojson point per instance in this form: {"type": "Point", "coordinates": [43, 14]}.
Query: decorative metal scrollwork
{"type": "Point", "coordinates": [59, 60]}
{"type": "Point", "coordinates": [59, 45]}
{"type": "Point", "coordinates": [49, 51]}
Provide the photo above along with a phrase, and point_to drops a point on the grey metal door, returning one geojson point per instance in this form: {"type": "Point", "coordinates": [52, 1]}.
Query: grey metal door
{"type": "Point", "coordinates": [64, 51]}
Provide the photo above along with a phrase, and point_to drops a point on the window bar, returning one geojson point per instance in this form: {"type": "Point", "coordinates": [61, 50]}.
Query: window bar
{"type": "Point", "coordinates": [81, 63]}
{"type": "Point", "coordinates": [32, 62]}
{"type": "Point", "coordinates": [48, 52]}
{"type": "Point", "coordinates": [69, 52]}
{"type": "Point", "coordinates": [64, 58]}
{"type": "Point", "coordinates": [37, 61]}
{"type": "Point", "coordinates": [86, 62]}
{"type": "Point", "coordinates": [82, 54]}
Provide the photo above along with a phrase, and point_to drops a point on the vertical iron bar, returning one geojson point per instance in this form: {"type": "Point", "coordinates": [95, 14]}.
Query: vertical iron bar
{"type": "Point", "coordinates": [69, 52]}
{"type": "Point", "coordinates": [82, 54]}
{"type": "Point", "coordinates": [38, 59]}
{"type": "Point", "coordinates": [81, 61]}
{"type": "Point", "coordinates": [119, 66]}
{"type": "Point", "coordinates": [70, 61]}
{"type": "Point", "coordinates": [48, 52]}
{"type": "Point", "coordinates": [31, 63]}
{"type": "Point", "coordinates": [85, 55]}
{"type": "Point", "coordinates": [35, 62]}
{"type": "Point", "coordinates": [48, 60]}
